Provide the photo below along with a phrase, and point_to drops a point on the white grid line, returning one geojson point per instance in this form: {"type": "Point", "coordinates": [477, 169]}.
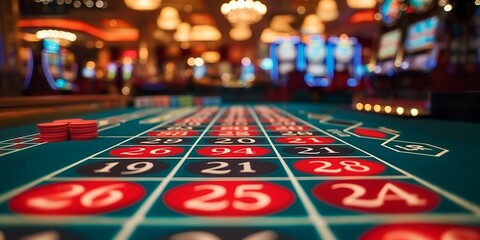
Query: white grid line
{"type": "Point", "coordinates": [318, 221]}
{"type": "Point", "coordinates": [130, 225]}
{"type": "Point", "coordinates": [24, 187]}
{"type": "Point", "coordinates": [452, 197]}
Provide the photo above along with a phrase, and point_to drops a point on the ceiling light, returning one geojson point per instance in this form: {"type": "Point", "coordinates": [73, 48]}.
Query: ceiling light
{"type": "Point", "coordinates": [143, 5]}
{"type": "Point", "coordinates": [168, 19]}
{"type": "Point", "coordinates": [183, 32]}
{"type": "Point", "coordinates": [205, 33]}
{"type": "Point", "coordinates": [243, 11]}
{"type": "Point", "coordinates": [361, 3]}
{"type": "Point", "coordinates": [240, 33]}
{"type": "Point", "coordinates": [312, 25]}
{"type": "Point", "coordinates": [327, 10]}
{"type": "Point", "coordinates": [211, 56]}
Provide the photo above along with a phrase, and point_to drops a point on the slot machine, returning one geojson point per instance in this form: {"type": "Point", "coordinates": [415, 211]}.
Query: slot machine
{"type": "Point", "coordinates": [54, 70]}
{"type": "Point", "coordinates": [286, 55]}
{"type": "Point", "coordinates": [344, 63]}
{"type": "Point", "coordinates": [315, 58]}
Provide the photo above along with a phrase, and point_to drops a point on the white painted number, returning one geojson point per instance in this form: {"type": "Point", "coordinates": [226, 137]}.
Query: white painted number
{"type": "Point", "coordinates": [351, 166]}
{"type": "Point", "coordinates": [98, 197]}
{"type": "Point", "coordinates": [247, 197]}
{"type": "Point", "coordinates": [220, 168]}
{"type": "Point", "coordinates": [135, 151]}
{"type": "Point", "coordinates": [383, 195]}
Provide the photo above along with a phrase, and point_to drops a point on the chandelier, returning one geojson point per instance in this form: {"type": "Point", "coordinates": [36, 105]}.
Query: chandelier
{"type": "Point", "coordinates": [243, 12]}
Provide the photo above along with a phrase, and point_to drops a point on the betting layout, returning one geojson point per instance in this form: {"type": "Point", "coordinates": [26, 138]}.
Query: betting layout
{"type": "Point", "coordinates": [238, 172]}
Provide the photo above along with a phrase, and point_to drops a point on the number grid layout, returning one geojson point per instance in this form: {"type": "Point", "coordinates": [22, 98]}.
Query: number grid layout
{"type": "Point", "coordinates": [6, 196]}
{"type": "Point", "coordinates": [129, 226]}
{"type": "Point", "coordinates": [211, 148]}
{"type": "Point", "coordinates": [470, 207]}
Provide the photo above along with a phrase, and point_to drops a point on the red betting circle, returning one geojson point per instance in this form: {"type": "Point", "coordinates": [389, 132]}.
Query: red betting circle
{"type": "Point", "coordinates": [77, 198]}
{"type": "Point", "coordinates": [377, 196]}
{"type": "Point", "coordinates": [288, 128]}
{"type": "Point", "coordinates": [305, 140]}
{"type": "Point", "coordinates": [234, 128]}
{"type": "Point", "coordinates": [176, 133]}
{"type": "Point", "coordinates": [339, 167]}
{"type": "Point", "coordinates": [234, 133]}
{"type": "Point", "coordinates": [422, 231]}
{"type": "Point", "coordinates": [229, 199]}
{"type": "Point", "coordinates": [370, 133]}
{"type": "Point", "coordinates": [233, 151]}
{"type": "Point", "coordinates": [145, 151]}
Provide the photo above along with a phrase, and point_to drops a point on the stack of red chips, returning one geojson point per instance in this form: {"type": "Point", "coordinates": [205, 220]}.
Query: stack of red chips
{"type": "Point", "coordinates": [59, 130]}
{"type": "Point", "coordinates": [53, 131]}
{"type": "Point", "coordinates": [83, 130]}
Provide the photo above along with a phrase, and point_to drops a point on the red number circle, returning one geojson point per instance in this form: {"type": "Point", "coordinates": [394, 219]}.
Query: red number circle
{"type": "Point", "coordinates": [377, 196]}
{"type": "Point", "coordinates": [234, 128]}
{"type": "Point", "coordinates": [422, 231]}
{"type": "Point", "coordinates": [288, 128]}
{"type": "Point", "coordinates": [145, 151]}
{"type": "Point", "coordinates": [339, 167]}
{"type": "Point", "coordinates": [230, 198]}
{"type": "Point", "coordinates": [235, 133]}
{"type": "Point", "coordinates": [77, 198]}
{"type": "Point", "coordinates": [172, 133]}
{"type": "Point", "coordinates": [233, 151]}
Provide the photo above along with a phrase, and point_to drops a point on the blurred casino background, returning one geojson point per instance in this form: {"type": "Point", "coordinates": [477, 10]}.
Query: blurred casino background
{"type": "Point", "coordinates": [373, 55]}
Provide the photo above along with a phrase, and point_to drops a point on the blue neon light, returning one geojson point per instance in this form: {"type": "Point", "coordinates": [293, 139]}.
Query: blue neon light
{"type": "Point", "coordinates": [301, 57]}
{"type": "Point", "coordinates": [274, 57]}
{"type": "Point", "coordinates": [61, 83]}
{"type": "Point", "coordinates": [28, 75]}
{"type": "Point", "coordinates": [46, 70]}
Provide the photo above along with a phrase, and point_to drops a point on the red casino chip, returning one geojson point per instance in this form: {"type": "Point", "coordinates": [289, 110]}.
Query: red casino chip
{"type": "Point", "coordinates": [229, 199]}
{"type": "Point", "coordinates": [145, 151]}
{"type": "Point", "coordinates": [83, 130]}
{"type": "Point", "coordinates": [339, 167]}
{"type": "Point", "coordinates": [370, 133]}
{"type": "Point", "coordinates": [377, 196]}
{"type": "Point", "coordinates": [69, 120]}
{"type": "Point", "coordinates": [305, 140]}
{"type": "Point", "coordinates": [77, 198]}
{"type": "Point", "coordinates": [422, 231]}
{"type": "Point", "coordinates": [53, 131]}
{"type": "Point", "coordinates": [233, 151]}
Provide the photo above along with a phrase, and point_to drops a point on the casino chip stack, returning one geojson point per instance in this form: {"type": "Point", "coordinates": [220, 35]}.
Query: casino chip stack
{"type": "Point", "coordinates": [83, 130]}
{"type": "Point", "coordinates": [53, 131]}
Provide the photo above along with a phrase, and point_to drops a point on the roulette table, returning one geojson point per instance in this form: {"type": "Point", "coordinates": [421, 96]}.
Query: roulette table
{"type": "Point", "coordinates": [293, 171]}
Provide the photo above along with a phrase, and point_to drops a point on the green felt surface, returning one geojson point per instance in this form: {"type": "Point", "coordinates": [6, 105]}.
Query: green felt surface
{"type": "Point", "coordinates": [447, 164]}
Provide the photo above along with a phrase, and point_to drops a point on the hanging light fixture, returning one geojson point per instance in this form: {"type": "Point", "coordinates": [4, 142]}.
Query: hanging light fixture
{"type": "Point", "coordinates": [169, 19]}
{"type": "Point", "coordinates": [240, 32]}
{"type": "Point", "coordinates": [241, 14]}
{"type": "Point", "coordinates": [143, 5]}
{"type": "Point", "coordinates": [205, 33]}
{"type": "Point", "coordinates": [312, 25]}
{"type": "Point", "coordinates": [327, 10]}
{"type": "Point", "coordinates": [361, 3]}
{"type": "Point", "coordinates": [183, 32]}
{"type": "Point", "coordinates": [243, 11]}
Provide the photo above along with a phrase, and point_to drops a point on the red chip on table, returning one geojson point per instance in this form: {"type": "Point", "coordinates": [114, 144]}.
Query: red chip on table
{"type": "Point", "coordinates": [83, 130]}
{"type": "Point", "coordinates": [69, 120]}
{"type": "Point", "coordinates": [53, 131]}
